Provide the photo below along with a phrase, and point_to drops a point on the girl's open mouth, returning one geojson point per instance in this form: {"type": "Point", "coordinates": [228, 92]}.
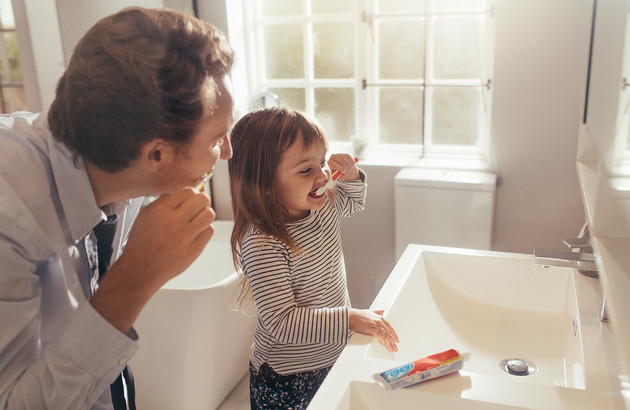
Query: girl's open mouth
{"type": "Point", "coordinates": [313, 194]}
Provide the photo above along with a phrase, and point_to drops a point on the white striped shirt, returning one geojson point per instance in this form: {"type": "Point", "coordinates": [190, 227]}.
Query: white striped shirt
{"type": "Point", "coordinates": [302, 299]}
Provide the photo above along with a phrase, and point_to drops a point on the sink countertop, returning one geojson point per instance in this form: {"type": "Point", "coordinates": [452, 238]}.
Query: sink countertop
{"type": "Point", "coordinates": [353, 370]}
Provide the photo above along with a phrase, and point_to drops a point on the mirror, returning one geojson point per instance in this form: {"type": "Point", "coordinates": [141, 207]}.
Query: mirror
{"type": "Point", "coordinates": [603, 163]}
{"type": "Point", "coordinates": [607, 112]}
{"type": "Point", "coordinates": [604, 84]}
{"type": "Point", "coordinates": [619, 161]}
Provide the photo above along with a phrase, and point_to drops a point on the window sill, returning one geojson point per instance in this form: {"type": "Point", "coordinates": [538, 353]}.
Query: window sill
{"type": "Point", "coordinates": [441, 163]}
{"type": "Point", "coordinates": [412, 159]}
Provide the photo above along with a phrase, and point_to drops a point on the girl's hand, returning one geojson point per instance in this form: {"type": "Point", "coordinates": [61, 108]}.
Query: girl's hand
{"type": "Point", "coordinates": [345, 164]}
{"type": "Point", "coordinates": [374, 324]}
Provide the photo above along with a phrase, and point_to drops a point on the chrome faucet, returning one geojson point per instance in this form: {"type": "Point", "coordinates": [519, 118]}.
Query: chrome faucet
{"type": "Point", "coordinates": [584, 261]}
{"type": "Point", "coordinates": [578, 260]}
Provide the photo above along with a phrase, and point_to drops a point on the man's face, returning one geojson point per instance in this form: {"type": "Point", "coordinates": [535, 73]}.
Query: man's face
{"type": "Point", "coordinates": [196, 161]}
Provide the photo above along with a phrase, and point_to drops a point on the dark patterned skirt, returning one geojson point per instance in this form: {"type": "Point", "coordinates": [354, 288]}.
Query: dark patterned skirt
{"type": "Point", "coordinates": [270, 390]}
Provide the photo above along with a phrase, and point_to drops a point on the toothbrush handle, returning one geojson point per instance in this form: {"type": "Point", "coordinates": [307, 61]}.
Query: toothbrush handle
{"type": "Point", "coordinates": [333, 178]}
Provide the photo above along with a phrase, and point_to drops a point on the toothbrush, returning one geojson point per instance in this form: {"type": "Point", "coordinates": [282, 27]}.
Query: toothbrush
{"type": "Point", "coordinates": [204, 178]}
{"type": "Point", "coordinates": [331, 181]}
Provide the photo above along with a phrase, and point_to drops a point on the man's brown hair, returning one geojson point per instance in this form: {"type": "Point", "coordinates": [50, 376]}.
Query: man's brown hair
{"type": "Point", "coordinates": [137, 75]}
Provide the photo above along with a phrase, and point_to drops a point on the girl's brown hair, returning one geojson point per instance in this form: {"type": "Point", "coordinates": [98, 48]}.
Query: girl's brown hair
{"type": "Point", "coordinates": [258, 141]}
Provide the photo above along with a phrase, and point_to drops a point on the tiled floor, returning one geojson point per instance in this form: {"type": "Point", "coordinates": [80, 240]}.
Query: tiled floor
{"type": "Point", "coordinates": [239, 398]}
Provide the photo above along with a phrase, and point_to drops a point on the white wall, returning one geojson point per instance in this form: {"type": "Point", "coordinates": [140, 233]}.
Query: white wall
{"type": "Point", "coordinates": [534, 136]}
{"type": "Point", "coordinates": [77, 16]}
{"type": "Point", "coordinates": [41, 50]}
{"type": "Point", "coordinates": [48, 31]}
{"type": "Point", "coordinates": [535, 125]}
{"type": "Point", "coordinates": [539, 78]}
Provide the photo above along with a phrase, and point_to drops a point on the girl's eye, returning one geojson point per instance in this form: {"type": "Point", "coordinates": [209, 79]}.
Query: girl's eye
{"type": "Point", "coordinates": [306, 171]}
{"type": "Point", "coordinates": [323, 164]}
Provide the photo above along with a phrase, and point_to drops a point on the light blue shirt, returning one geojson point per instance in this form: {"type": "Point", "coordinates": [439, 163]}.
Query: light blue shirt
{"type": "Point", "coordinates": [56, 351]}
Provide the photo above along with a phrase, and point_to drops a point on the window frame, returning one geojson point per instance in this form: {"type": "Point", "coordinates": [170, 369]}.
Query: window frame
{"type": "Point", "coordinates": [366, 115]}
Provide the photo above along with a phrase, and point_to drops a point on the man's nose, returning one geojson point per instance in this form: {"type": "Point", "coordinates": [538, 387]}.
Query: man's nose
{"type": "Point", "coordinates": [226, 149]}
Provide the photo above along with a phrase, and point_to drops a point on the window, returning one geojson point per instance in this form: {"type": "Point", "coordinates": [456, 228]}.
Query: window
{"type": "Point", "coordinates": [12, 97]}
{"type": "Point", "coordinates": [411, 76]}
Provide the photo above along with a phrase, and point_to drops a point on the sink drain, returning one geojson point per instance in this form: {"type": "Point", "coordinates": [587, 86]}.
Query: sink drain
{"type": "Point", "coordinates": [518, 367]}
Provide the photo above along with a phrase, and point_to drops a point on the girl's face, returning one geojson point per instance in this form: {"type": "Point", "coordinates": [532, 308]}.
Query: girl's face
{"type": "Point", "coordinates": [300, 172]}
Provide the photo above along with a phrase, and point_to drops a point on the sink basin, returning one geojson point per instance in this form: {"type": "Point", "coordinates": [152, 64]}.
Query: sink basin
{"type": "Point", "coordinates": [369, 396]}
{"type": "Point", "coordinates": [495, 306]}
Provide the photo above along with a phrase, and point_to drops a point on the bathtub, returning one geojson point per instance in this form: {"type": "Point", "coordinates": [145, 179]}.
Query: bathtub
{"type": "Point", "coordinates": [193, 348]}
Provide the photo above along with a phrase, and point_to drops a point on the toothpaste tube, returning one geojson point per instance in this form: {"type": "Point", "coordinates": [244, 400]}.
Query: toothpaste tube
{"type": "Point", "coordinates": [420, 370]}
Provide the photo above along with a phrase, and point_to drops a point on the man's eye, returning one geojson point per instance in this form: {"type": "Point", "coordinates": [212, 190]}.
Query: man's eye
{"type": "Point", "coordinates": [219, 142]}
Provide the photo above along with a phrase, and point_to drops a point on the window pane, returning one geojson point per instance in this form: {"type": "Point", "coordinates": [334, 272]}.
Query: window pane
{"type": "Point", "coordinates": [455, 114]}
{"type": "Point", "coordinates": [401, 5]}
{"type": "Point", "coordinates": [331, 6]}
{"type": "Point", "coordinates": [13, 99]}
{"type": "Point", "coordinates": [334, 50]}
{"type": "Point", "coordinates": [455, 48]}
{"type": "Point", "coordinates": [335, 109]}
{"type": "Point", "coordinates": [458, 5]}
{"type": "Point", "coordinates": [280, 7]}
{"type": "Point", "coordinates": [401, 59]}
{"type": "Point", "coordinates": [291, 97]}
{"type": "Point", "coordinates": [400, 115]}
{"type": "Point", "coordinates": [284, 51]}
{"type": "Point", "coordinates": [7, 20]}
{"type": "Point", "coordinates": [13, 58]}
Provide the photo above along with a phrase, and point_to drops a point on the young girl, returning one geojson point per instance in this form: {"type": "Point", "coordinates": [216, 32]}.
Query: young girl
{"type": "Point", "coordinates": [287, 242]}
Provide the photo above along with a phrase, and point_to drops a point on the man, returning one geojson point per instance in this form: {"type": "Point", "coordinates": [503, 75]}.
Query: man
{"type": "Point", "coordinates": [144, 107]}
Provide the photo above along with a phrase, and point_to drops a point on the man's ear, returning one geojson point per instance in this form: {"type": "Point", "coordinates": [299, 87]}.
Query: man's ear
{"type": "Point", "coordinates": [155, 153]}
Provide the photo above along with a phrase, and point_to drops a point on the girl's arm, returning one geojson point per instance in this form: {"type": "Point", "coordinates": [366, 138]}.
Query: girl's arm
{"type": "Point", "coordinates": [351, 189]}
{"type": "Point", "coordinates": [265, 264]}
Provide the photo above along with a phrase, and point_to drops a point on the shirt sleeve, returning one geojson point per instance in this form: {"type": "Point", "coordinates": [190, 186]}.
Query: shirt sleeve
{"type": "Point", "coordinates": [265, 263]}
{"type": "Point", "coordinates": [350, 195]}
{"type": "Point", "coordinates": [84, 354]}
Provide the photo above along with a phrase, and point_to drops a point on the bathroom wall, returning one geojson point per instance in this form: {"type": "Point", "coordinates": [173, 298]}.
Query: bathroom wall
{"type": "Point", "coordinates": [535, 124]}
{"type": "Point", "coordinates": [534, 139]}
{"type": "Point", "coordinates": [76, 17]}
{"type": "Point", "coordinates": [48, 30]}
{"type": "Point", "coordinates": [534, 131]}
{"type": "Point", "coordinates": [40, 48]}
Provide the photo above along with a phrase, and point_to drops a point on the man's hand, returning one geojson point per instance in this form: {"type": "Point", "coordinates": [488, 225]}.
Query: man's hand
{"type": "Point", "coordinates": [167, 236]}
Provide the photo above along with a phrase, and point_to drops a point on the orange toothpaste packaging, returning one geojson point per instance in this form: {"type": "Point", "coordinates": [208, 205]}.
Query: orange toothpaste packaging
{"type": "Point", "coordinates": [421, 370]}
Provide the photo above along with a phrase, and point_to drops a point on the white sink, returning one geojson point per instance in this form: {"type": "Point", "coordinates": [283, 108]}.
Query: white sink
{"type": "Point", "coordinates": [495, 308]}
{"type": "Point", "coordinates": [369, 396]}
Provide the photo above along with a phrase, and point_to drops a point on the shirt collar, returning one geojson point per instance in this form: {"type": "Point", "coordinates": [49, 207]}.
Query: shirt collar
{"type": "Point", "coordinates": [75, 192]}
